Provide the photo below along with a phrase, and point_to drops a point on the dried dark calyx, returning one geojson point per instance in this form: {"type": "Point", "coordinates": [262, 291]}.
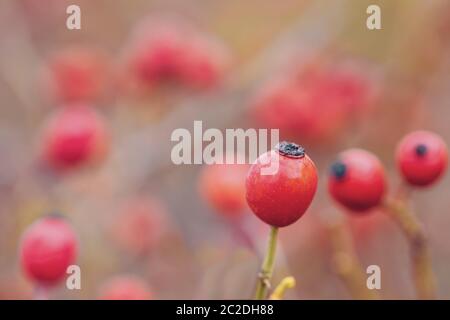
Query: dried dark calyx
{"type": "Point", "coordinates": [55, 215]}
{"type": "Point", "coordinates": [338, 170]}
{"type": "Point", "coordinates": [290, 149]}
{"type": "Point", "coordinates": [421, 150]}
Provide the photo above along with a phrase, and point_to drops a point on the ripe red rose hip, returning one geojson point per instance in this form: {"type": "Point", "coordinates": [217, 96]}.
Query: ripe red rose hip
{"type": "Point", "coordinates": [223, 188]}
{"type": "Point", "coordinates": [74, 136]}
{"type": "Point", "coordinates": [357, 180]}
{"type": "Point", "coordinates": [422, 158]}
{"type": "Point", "coordinates": [48, 247]}
{"type": "Point", "coordinates": [282, 197]}
{"type": "Point", "coordinates": [125, 287]}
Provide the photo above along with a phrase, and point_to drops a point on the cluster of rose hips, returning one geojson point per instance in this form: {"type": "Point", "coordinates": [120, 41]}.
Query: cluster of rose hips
{"type": "Point", "coordinates": [295, 102]}
{"type": "Point", "coordinates": [358, 182]}
{"type": "Point", "coordinates": [160, 52]}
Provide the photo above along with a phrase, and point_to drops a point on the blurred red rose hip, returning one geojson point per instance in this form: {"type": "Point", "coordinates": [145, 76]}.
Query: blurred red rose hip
{"type": "Point", "coordinates": [125, 287]}
{"type": "Point", "coordinates": [422, 158]}
{"type": "Point", "coordinates": [223, 188]}
{"type": "Point", "coordinates": [48, 247]}
{"type": "Point", "coordinates": [139, 225]}
{"type": "Point", "coordinates": [316, 104]}
{"type": "Point", "coordinates": [357, 180]}
{"type": "Point", "coordinates": [171, 51]}
{"type": "Point", "coordinates": [78, 74]}
{"type": "Point", "coordinates": [282, 197]}
{"type": "Point", "coordinates": [74, 136]}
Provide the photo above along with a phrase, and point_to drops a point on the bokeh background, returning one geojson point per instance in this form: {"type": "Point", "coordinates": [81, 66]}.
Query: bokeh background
{"type": "Point", "coordinates": [193, 251]}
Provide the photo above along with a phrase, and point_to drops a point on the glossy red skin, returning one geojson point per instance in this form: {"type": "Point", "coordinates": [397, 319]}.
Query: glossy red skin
{"type": "Point", "coordinates": [423, 170]}
{"type": "Point", "coordinates": [223, 188]}
{"type": "Point", "coordinates": [282, 198]}
{"type": "Point", "coordinates": [364, 184]}
{"type": "Point", "coordinates": [125, 288]}
{"type": "Point", "coordinates": [48, 247]}
{"type": "Point", "coordinates": [73, 137]}
{"type": "Point", "coordinates": [77, 75]}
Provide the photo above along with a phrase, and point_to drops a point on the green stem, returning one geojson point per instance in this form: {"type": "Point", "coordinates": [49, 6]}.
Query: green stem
{"type": "Point", "coordinates": [267, 267]}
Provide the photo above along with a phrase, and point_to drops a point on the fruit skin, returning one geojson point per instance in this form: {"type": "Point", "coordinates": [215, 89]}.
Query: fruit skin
{"type": "Point", "coordinates": [48, 247]}
{"type": "Point", "coordinates": [125, 287]}
{"type": "Point", "coordinates": [357, 180]}
{"type": "Point", "coordinates": [282, 198]}
{"type": "Point", "coordinates": [422, 158]}
{"type": "Point", "coordinates": [223, 188]}
{"type": "Point", "coordinates": [74, 136]}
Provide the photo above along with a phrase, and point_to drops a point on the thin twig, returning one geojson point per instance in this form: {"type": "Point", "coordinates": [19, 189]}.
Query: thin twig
{"type": "Point", "coordinates": [347, 264]}
{"type": "Point", "coordinates": [424, 278]}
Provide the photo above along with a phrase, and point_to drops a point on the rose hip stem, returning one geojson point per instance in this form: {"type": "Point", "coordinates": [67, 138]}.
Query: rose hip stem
{"type": "Point", "coordinates": [347, 264]}
{"type": "Point", "coordinates": [424, 278]}
{"type": "Point", "coordinates": [265, 274]}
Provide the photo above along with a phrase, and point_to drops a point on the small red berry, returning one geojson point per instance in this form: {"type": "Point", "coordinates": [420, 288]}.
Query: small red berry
{"type": "Point", "coordinates": [357, 180]}
{"type": "Point", "coordinates": [281, 198]}
{"type": "Point", "coordinates": [77, 75]}
{"type": "Point", "coordinates": [223, 188]}
{"type": "Point", "coordinates": [315, 105]}
{"type": "Point", "coordinates": [139, 225]}
{"type": "Point", "coordinates": [126, 287]}
{"type": "Point", "coordinates": [73, 137]}
{"type": "Point", "coordinates": [422, 158]}
{"type": "Point", "coordinates": [171, 51]}
{"type": "Point", "coordinates": [48, 247]}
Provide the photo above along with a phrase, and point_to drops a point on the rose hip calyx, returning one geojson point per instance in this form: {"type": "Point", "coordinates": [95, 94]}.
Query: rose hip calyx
{"type": "Point", "coordinates": [338, 170]}
{"type": "Point", "coordinates": [421, 150]}
{"type": "Point", "coordinates": [290, 149]}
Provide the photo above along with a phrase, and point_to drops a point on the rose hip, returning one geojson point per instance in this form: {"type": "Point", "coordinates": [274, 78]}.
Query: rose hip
{"type": "Point", "coordinates": [48, 247]}
{"type": "Point", "coordinates": [422, 158]}
{"type": "Point", "coordinates": [125, 287]}
{"type": "Point", "coordinates": [357, 180]}
{"type": "Point", "coordinates": [281, 198]}
{"type": "Point", "coordinates": [223, 188]}
{"type": "Point", "coordinates": [74, 136]}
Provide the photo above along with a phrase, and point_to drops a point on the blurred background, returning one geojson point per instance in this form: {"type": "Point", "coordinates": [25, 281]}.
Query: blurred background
{"type": "Point", "coordinates": [138, 70]}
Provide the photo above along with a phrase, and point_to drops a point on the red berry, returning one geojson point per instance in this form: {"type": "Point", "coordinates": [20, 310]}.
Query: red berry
{"type": "Point", "coordinates": [281, 198]}
{"type": "Point", "coordinates": [223, 188]}
{"type": "Point", "coordinates": [78, 74]}
{"type": "Point", "coordinates": [74, 136]}
{"type": "Point", "coordinates": [168, 51]}
{"type": "Point", "coordinates": [357, 180]}
{"type": "Point", "coordinates": [315, 105]}
{"type": "Point", "coordinates": [126, 287]}
{"type": "Point", "coordinates": [48, 247]}
{"type": "Point", "coordinates": [140, 225]}
{"type": "Point", "coordinates": [422, 158]}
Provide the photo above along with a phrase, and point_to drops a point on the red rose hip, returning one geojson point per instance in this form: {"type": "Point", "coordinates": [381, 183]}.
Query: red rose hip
{"type": "Point", "coordinates": [280, 197]}
{"type": "Point", "coordinates": [48, 247]}
{"type": "Point", "coordinates": [125, 287]}
{"type": "Point", "coordinates": [73, 137]}
{"type": "Point", "coordinates": [223, 188]}
{"type": "Point", "coordinates": [357, 180]}
{"type": "Point", "coordinates": [422, 158]}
